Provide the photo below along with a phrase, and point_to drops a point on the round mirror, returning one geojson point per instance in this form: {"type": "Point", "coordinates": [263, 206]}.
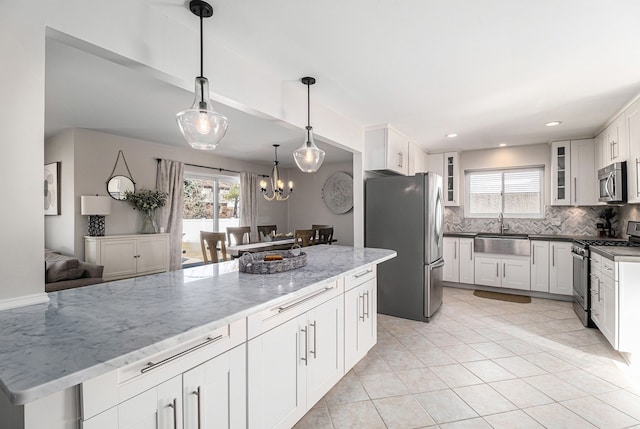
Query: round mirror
{"type": "Point", "coordinates": [117, 185]}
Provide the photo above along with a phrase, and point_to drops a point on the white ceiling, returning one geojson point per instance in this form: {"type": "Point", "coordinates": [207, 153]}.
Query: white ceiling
{"type": "Point", "coordinates": [493, 71]}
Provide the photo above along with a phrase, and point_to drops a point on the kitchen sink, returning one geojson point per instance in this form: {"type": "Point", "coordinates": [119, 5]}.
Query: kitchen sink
{"type": "Point", "coordinates": [504, 244]}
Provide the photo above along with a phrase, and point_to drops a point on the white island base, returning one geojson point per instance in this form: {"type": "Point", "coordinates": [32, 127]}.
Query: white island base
{"type": "Point", "coordinates": [265, 369]}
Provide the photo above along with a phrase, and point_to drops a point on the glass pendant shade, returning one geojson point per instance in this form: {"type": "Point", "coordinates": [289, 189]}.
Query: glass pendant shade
{"type": "Point", "coordinates": [201, 127]}
{"type": "Point", "coordinates": [309, 157]}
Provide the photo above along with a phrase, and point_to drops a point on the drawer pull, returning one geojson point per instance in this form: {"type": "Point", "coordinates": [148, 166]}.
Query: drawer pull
{"type": "Point", "coordinates": [174, 405]}
{"type": "Point", "coordinates": [303, 300]}
{"type": "Point", "coordinates": [356, 276]}
{"type": "Point", "coordinates": [152, 365]}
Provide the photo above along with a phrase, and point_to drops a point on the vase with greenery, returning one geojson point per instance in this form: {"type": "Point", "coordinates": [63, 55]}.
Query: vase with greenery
{"type": "Point", "coordinates": [147, 201]}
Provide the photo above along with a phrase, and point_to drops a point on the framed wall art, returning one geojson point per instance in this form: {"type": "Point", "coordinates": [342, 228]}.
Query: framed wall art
{"type": "Point", "coordinates": [52, 189]}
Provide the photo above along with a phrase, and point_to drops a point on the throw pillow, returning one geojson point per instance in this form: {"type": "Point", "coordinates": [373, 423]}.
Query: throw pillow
{"type": "Point", "coordinates": [69, 269]}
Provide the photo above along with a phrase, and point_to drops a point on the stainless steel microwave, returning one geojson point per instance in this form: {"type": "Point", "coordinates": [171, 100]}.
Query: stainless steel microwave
{"type": "Point", "coordinates": [612, 183]}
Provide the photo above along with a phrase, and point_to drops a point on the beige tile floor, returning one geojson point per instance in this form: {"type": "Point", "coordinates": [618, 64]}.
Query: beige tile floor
{"type": "Point", "coordinates": [483, 363]}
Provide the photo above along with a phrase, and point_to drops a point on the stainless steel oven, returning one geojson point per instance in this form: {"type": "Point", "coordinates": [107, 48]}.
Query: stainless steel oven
{"type": "Point", "coordinates": [581, 293]}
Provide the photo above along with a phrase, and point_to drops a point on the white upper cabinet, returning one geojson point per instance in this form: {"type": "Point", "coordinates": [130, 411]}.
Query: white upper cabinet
{"type": "Point", "coordinates": [616, 148]}
{"type": "Point", "coordinates": [573, 173]}
{"type": "Point", "coordinates": [560, 173]}
{"type": "Point", "coordinates": [435, 163]}
{"type": "Point", "coordinates": [417, 159]}
{"type": "Point", "coordinates": [386, 150]}
{"type": "Point", "coordinates": [451, 179]}
{"type": "Point", "coordinates": [633, 164]}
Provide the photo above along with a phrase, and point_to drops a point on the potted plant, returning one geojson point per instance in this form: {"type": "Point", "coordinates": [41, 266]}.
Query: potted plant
{"type": "Point", "coordinates": [147, 201]}
{"type": "Point", "coordinates": [606, 215]}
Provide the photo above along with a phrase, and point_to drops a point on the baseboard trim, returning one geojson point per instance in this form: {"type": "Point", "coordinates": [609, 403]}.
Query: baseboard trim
{"type": "Point", "coordinates": [23, 301]}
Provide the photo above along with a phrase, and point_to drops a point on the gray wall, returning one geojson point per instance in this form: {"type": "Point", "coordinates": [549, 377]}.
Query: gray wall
{"type": "Point", "coordinates": [89, 157]}
{"type": "Point", "coordinates": [306, 206]}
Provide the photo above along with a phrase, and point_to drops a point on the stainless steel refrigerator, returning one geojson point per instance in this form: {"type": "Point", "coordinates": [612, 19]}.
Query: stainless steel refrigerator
{"type": "Point", "coordinates": [406, 214]}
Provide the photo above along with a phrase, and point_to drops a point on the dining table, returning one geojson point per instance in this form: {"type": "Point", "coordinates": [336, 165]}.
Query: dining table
{"type": "Point", "coordinates": [260, 246]}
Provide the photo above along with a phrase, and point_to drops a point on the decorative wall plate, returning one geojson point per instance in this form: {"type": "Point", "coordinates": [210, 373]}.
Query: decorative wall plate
{"type": "Point", "coordinates": [337, 192]}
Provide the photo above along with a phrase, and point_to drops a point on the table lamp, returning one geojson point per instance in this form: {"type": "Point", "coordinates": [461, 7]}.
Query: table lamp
{"type": "Point", "coordinates": [96, 208]}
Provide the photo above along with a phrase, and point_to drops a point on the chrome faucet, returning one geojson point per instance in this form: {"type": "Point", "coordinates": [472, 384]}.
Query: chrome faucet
{"type": "Point", "coordinates": [503, 227]}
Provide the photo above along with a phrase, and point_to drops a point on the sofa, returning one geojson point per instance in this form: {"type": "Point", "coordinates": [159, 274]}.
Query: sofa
{"type": "Point", "coordinates": [66, 272]}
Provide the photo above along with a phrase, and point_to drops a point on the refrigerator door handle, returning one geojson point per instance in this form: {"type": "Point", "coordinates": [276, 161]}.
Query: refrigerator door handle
{"type": "Point", "coordinates": [435, 265]}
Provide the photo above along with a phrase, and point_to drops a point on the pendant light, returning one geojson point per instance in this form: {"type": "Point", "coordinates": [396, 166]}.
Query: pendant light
{"type": "Point", "coordinates": [201, 127]}
{"type": "Point", "coordinates": [277, 185]}
{"type": "Point", "coordinates": [309, 157]}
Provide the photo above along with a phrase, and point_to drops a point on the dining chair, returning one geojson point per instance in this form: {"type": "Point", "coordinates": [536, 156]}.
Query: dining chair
{"type": "Point", "coordinates": [209, 241]}
{"type": "Point", "coordinates": [324, 235]}
{"type": "Point", "coordinates": [305, 237]}
{"type": "Point", "coordinates": [238, 233]}
{"type": "Point", "coordinates": [265, 230]}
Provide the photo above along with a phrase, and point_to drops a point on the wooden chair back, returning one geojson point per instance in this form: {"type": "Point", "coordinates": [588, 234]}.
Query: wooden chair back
{"type": "Point", "coordinates": [325, 235]}
{"type": "Point", "coordinates": [264, 230]}
{"type": "Point", "coordinates": [209, 241]}
{"type": "Point", "coordinates": [238, 233]}
{"type": "Point", "coordinates": [314, 226]}
{"type": "Point", "coordinates": [305, 237]}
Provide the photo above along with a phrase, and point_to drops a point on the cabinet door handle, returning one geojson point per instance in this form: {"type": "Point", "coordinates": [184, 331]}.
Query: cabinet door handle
{"type": "Point", "coordinates": [365, 307]}
{"type": "Point", "coordinates": [315, 338]}
{"type": "Point", "coordinates": [198, 393]}
{"type": "Point", "coordinates": [455, 251]}
{"type": "Point", "coordinates": [497, 269]}
{"type": "Point", "coordinates": [306, 347]}
{"type": "Point", "coordinates": [504, 269]}
{"type": "Point", "coordinates": [533, 256]}
{"type": "Point", "coordinates": [637, 177]}
{"type": "Point", "coordinates": [174, 405]}
{"type": "Point", "coordinates": [575, 189]}
{"type": "Point", "coordinates": [400, 159]}
{"type": "Point", "coordinates": [361, 317]}
{"type": "Point", "coordinates": [553, 256]}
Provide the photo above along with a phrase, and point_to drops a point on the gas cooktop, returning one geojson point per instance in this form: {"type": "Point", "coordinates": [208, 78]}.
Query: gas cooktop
{"type": "Point", "coordinates": [609, 242]}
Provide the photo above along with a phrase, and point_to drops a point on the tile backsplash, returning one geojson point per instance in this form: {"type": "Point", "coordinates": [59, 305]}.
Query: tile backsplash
{"type": "Point", "coordinates": [557, 220]}
{"type": "Point", "coordinates": [627, 213]}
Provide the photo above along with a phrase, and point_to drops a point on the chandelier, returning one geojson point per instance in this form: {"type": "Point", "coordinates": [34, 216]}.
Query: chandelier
{"type": "Point", "coordinates": [277, 185]}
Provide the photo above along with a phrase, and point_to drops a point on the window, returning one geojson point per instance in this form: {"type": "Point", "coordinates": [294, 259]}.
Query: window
{"type": "Point", "coordinates": [201, 194]}
{"type": "Point", "coordinates": [514, 192]}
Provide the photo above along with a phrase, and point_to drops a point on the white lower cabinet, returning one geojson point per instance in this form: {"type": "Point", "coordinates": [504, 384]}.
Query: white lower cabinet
{"type": "Point", "coordinates": [214, 393]}
{"type": "Point", "coordinates": [512, 272]}
{"type": "Point", "coordinates": [360, 326]}
{"type": "Point", "coordinates": [560, 268]}
{"type": "Point", "coordinates": [451, 270]}
{"type": "Point", "coordinates": [540, 266]}
{"type": "Point", "coordinates": [291, 366]}
{"type": "Point", "coordinates": [466, 261]}
{"type": "Point", "coordinates": [458, 260]}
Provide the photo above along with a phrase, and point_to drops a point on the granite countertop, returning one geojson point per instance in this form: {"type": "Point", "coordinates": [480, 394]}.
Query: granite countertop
{"type": "Point", "coordinates": [85, 332]}
{"type": "Point", "coordinates": [618, 254]}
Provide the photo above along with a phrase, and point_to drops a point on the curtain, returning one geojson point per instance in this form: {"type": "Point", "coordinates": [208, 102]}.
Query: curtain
{"type": "Point", "coordinates": [170, 179]}
{"type": "Point", "coordinates": [249, 203]}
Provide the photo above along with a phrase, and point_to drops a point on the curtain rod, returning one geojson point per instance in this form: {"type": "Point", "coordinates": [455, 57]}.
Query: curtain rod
{"type": "Point", "coordinates": [220, 169]}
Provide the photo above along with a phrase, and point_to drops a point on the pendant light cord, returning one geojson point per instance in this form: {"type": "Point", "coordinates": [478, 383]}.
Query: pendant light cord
{"type": "Point", "coordinates": [201, 63]}
{"type": "Point", "coordinates": [308, 105]}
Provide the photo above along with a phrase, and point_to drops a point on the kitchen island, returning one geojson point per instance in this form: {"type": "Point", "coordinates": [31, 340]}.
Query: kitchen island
{"type": "Point", "coordinates": [51, 354]}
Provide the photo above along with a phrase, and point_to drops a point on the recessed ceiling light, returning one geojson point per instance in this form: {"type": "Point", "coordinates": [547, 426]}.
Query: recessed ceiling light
{"type": "Point", "coordinates": [502, 144]}
{"type": "Point", "coordinates": [553, 123]}
{"type": "Point", "coordinates": [451, 135]}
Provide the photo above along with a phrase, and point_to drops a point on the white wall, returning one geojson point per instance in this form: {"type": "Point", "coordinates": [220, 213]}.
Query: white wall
{"type": "Point", "coordinates": [306, 206]}
{"type": "Point", "coordinates": [59, 230]}
{"type": "Point", "coordinates": [505, 157]}
{"type": "Point", "coordinates": [152, 37]}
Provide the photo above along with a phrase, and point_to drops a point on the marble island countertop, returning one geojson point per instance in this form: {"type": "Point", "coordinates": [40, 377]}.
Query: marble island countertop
{"type": "Point", "coordinates": [618, 254]}
{"type": "Point", "coordinates": [85, 332]}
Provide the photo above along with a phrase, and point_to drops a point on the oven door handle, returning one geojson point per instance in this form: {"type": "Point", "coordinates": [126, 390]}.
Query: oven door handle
{"type": "Point", "coordinates": [607, 183]}
{"type": "Point", "coordinates": [575, 255]}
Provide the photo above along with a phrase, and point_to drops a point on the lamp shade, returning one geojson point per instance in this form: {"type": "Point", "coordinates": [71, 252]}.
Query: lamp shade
{"type": "Point", "coordinates": [92, 205]}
